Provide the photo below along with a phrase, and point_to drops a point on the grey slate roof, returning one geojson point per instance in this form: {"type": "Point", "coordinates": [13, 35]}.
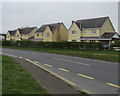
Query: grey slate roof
{"type": "Point", "coordinates": [12, 32]}
{"type": "Point", "coordinates": [91, 23]}
{"type": "Point", "coordinates": [109, 35]}
{"type": "Point", "coordinates": [26, 30]}
{"type": "Point", "coordinates": [51, 26]}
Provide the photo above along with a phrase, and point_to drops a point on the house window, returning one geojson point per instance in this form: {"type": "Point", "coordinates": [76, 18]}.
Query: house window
{"type": "Point", "coordinates": [93, 31]}
{"type": "Point", "coordinates": [92, 41]}
{"type": "Point", "coordinates": [42, 34]}
{"type": "Point", "coordinates": [17, 35]}
{"type": "Point", "coordinates": [83, 40]}
{"type": "Point", "coordinates": [47, 34]}
{"type": "Point", "coordinates": [84, 32]}
{"type": "Point", "coordinates": [74, 32]}
{"type": "Point", "coordinates": [38, 35]}
{"type": "Point", "coordinates": [74, 40]}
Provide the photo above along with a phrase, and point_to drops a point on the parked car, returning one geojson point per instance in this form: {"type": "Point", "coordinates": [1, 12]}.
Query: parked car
{"type": "Point", "coordinates": [106, 46]}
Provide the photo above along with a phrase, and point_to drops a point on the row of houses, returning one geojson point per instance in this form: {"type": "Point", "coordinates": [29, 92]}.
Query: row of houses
{"type": "Point", "coordinates": [85, 30]}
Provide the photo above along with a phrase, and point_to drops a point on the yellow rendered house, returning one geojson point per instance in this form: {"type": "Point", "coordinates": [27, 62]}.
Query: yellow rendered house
{"type": "Point", "coordinates": [27, 33]}
{"type": "Point", "coordinates": [92, 30]}
{"type": "Point", "coordinates": [21, 34]}
{"type": "Point", "coordinates": [13, 35]}
{"type": "Point", "coordinates": [55, 32]}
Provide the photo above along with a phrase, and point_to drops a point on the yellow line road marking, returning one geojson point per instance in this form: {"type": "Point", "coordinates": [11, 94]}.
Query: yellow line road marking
{"type": "Point", "coordinates": [48, 65]}
{"type": "Point", "coordinates": [85, 76]}
{"type": "Point", "coordinates": [51, 72]}
{"type": "Point", "coordinates": [113, 85]}
{"type": "Point", "coordinates": [64, 70]}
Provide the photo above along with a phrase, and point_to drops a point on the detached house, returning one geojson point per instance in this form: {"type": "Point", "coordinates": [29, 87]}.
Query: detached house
{"type": "Point", "coordinates": [21, 34]}
{"type": "Point", "coordinates": [13, 35]}
{"type": "Point", "coordinates": [51, 33]}
{"type": "Point", "coordinates": [92, 30]}
{"type": "Point", "coordinates": [27, 33]}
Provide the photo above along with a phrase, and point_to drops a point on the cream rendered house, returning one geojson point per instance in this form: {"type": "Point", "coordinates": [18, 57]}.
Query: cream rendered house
{"type": "Point", "coordinates": [27, 33]}
{"type": "Point", "coordinates": [13, 35]}
{"type": "Point", "coordinates": [55, 32]}
{"type": "Point", "coordinates": [92, 30]}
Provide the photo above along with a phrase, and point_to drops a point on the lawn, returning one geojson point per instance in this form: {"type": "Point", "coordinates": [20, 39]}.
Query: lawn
{"type": "Point", "coordinates": [0, 74]}
{"type": "Point", "coordinates": [105, 55]}
{"type": "Point", "coordinates": [16, 80]}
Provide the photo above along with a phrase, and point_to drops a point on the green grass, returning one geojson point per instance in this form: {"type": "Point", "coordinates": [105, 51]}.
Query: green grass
{"type": "Point", "coordinates": [16, 80]}
{"type": "Point", "coordinates": [0, 74]}
{"type": "Point", "coordinates": [105, 55]}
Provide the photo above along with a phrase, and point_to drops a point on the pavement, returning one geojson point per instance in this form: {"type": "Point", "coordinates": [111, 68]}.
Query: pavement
{"type": "Point", "coordinates": [48, 81]}
{"type": "Point", "coordinates": [92, 76]}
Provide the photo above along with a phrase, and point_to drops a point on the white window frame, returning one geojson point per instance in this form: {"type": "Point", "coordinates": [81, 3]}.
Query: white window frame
{"type": "Point", "coordinates": [75, 32]}
{"type": "Point", "coordinates": [93, 31]}
{"type": "Point", "coordinates": [92, 41]}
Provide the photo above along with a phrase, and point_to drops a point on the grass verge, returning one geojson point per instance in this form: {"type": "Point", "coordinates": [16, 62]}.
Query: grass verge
{"type": "Point", "coordinates": [105, 55]}
{"type": "Point", "coordinates": [16, 80]}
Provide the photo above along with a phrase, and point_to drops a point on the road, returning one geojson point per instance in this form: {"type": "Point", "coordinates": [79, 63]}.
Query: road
{"type": "Point", "coordinates": [93, 76]}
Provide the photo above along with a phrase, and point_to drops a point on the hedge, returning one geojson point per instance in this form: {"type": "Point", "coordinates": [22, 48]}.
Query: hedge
{"type": "Point", "coordinates": [73, 45]}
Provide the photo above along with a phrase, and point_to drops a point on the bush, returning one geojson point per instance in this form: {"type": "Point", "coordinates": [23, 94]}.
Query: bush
{"type": "Point", "coordinates": [73, 45]}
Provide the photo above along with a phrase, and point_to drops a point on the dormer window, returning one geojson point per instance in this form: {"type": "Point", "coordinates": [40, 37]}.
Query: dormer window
{"type": "Point", "coordinates": [74, 32]}
{"type": "Point", "coordinates": [93, 31]}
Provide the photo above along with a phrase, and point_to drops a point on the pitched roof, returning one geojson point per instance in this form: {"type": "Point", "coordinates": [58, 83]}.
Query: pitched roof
{"type": "Point", "coordinates": [26, 30]}
{"type": "Point", "coordinates": [109, 35]}
{"type": "Point", "coordinates": [12, 32]}
{"type": "Point", "coordinates": [51, 26]}
{"type": "Point", "coordinates": [91, 23]}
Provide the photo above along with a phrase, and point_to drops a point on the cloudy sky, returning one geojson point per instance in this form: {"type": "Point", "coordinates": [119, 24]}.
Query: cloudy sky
{"type": "Point", "coordinates": [22, 14]}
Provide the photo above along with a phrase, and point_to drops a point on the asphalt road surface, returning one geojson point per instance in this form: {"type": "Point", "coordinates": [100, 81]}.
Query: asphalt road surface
{"type": "Point", "coordinates": [94, 76]}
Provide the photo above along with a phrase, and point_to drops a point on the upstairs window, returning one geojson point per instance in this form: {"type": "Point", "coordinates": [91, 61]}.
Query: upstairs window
{"type": "Point", "coordinates": [93, 31]}
{"type": "Point", "coordinates": [84, 32]}
{"type": "Point", "coordinates": [38, 35]}
{"type": "Point", "coordinates": [47, 34]}
{"type": "Point", "coordinates": [74, 32]}
{"type": "Point", "coordinates": [17, 35]}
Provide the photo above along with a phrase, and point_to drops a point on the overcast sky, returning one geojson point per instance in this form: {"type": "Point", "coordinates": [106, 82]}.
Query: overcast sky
{"type": "Point", "coordinates": [22, 14]}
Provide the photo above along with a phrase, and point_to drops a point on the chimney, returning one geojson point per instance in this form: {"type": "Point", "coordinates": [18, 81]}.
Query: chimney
{"type": "Point", "coordinates": [73, 21]}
